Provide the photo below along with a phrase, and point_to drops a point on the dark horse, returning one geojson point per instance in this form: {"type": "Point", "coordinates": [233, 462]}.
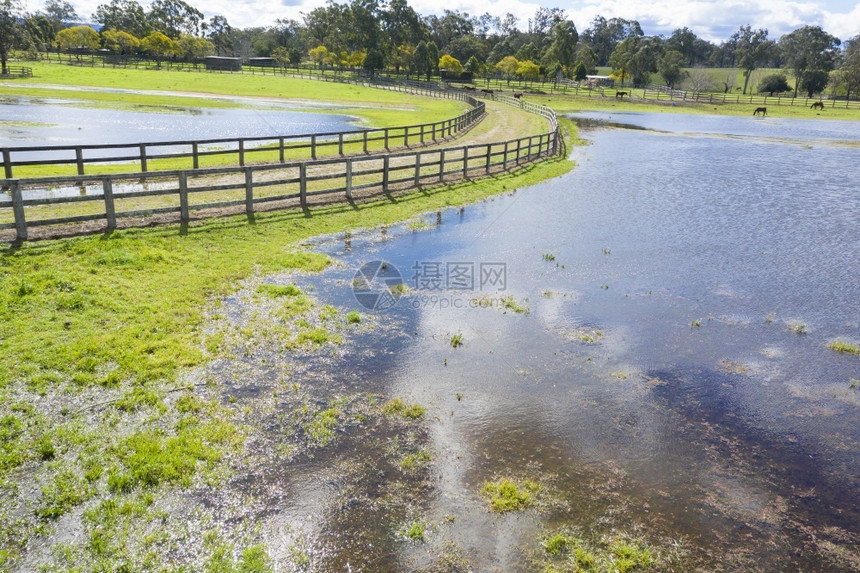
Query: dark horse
{"type": "Point", "coordinates": [620, 95]}
{"type": "Point", "coordinates": [518, 95]}
{"type": "Point", "coordinates": [817, 104]}
{"type": "Point", "coordinates": [486, 91]}
{"type": "Point", "coordinates": [760, 110]}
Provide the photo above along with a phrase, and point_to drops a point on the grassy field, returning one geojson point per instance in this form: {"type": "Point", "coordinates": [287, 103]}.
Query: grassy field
{"type": "Point", "coordinates": [96, 333]}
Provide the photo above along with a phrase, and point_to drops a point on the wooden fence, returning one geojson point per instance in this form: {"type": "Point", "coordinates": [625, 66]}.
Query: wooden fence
{"type": "Point", "coordinates": [18, 72]}
{"type": "Point", "coordinates": [244, 147]}
{"type": "Point", "coordinates": [148, 193]}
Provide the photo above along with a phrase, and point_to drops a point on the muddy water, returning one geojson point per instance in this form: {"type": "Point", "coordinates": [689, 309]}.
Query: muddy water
{"type": "Point", "coordinates": [670, 379]}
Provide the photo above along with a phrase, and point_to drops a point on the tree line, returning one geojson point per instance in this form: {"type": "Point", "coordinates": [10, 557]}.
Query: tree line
{"type": "Point", "coordinates": [376, 35]}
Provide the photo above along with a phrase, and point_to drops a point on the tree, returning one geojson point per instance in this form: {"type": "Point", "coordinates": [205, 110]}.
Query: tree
{"type": "Point", "coordinates": [432, 59]}
{"type": "Point", "coordinates": [528, 70]}
{"type": "Point", "coordinates": [473, 66]}
{"type": "Point", "coordinates": [849, 71]}
{"type": "Point", "coordinates": [120, 42]}
{"type": "Point", "coordinates": [159, 46]}
{"type": "Point", "coordinates": [808, 50]}
{"type": "Point", "coordinates": [774, 83]}
{"type": "Point", "coordinates": [78, 37]}
{"type": "Point", "coordinates": [563, 38]}
{"type": "Point", "coordinates": [586, 55]}
{"type": "Point", "coordinates": [670, 67]}
{"type": "Point", "coordinates": [750, 48]}
{"type": "Point", "coordinates": [450, 64]}
{"type": "Point", "coordinates": [12, 31]}
{"type": "Point", "coordinates": [320, 55]}
{"type": "Point", "coordinates": [125, 15]}
{"type": "Point", "coordinates": [174, 17]}
{"type": "Point", "coordinates": [637, 57]}
{"type": "Point", "coordinates": [814, 81]}
{"type": "Point", "coordinates": [508, 66]}
{"type": "Point", "coordinates": [221, 34]}
{"type": "Point", "coordinates": [579, 72]}
{"type": "Point", "coordinates": [60, 13]}
{"type": "Point", "coordinates": [193, 48]}
{"type": "Point", "coordinates": [40, 29]}
{"type": "Point", "coordinates": [605, 35]}
{"type": "Point", "coordinates": [419, 60]}
{"type": "Point", "coordinates": [374, 60]}
{"type": "Point", "coordinates": [528, 52]}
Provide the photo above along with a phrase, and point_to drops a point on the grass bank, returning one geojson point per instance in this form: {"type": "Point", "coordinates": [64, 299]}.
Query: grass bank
{"type": "Point", "coordinates": [95, 335]}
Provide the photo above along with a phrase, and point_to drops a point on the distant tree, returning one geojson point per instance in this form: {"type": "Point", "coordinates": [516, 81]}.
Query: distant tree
{"type": "Point", "coordinates": [174, 17]}
{"type": "Point", "coordinates": [78, 37]}
{"type": "Point", "coordinates": [473, 65]}
{"type": "Point", "coordinates": [700, 80]}
{"type": "Point", "coordinates": [528, 52]}
{"type": "Point", "coordinates": [508, 66]}
{"type": "Point", "coordinates": [637, 57]}
{"type": "Point", "coordinates": [670, 67]}
{"type": "Point", "coordinates": [159, 46]}
{"type": "Point", "coordinates": [849, 71]}
{"type": "Point", "coordinates": [12, 31]}
{"type": "Point", "coordinates": [432, 59]}
{"type": "Point", "coordinates": [401, 57]}
{"type": "Point", "coordinates": [60, 13]}
{"type": "Point", "coordinates": [420, 62]}
{"type": "Point", "coordinates": [579, 72]}
{"type": "Point", "coordinates": [194, 48]}
{"type": "Point", "coordinates": [450, 64]}
{"type": "Point", "coordinates": [528, 70]}
{"type": "Point", "coordinates": [586, 55]}
{"type": "Point", "coordinates": [545, 19]}
{"type": "Point", "coordinates": [750, 49]}
{"type": "Point", "coordinates": [774, 83]}
{"type": "Point", "coordinates": [40, 30]}
{"type": "Point", "coordinates": [562, 48]}
{"type": "Point", "coordinates": [605, 35]}
{"type": "Point", "coordinates": [374, 60]}
{"type": "Point", "coordinates": [222, 35]}
{"type": "Point", "coordinates": [809, 50]}
{"type": "Point", "coordinates": [814, 81]}
{"type": "Point", "coordinates": [320, 55]}
{"type": "Point", "coordinates": [125, 15]}
{"type": "Point", "coordinates": [120, 42]}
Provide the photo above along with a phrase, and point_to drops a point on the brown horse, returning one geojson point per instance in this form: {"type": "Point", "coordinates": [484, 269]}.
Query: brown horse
{"type": "Point", "coordinates": [817, 104]}
{"type": "Point", "coordinates": [518, 95]}
{"type": "Point", "coordinates": [486, 91]}
{"type": "Point", "coordinates": [620, 95]}
{"type": "Point", "coordinates": [470, 88]}
{"type": "Point", "coordinates": [760, 110]}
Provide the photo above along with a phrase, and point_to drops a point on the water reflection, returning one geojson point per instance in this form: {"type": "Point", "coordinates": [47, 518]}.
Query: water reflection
{"type": "Point", "coordinates": [659, 380]}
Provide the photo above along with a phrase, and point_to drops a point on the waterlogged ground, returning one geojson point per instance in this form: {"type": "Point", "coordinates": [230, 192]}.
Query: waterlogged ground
{"type": "Point", "coordinates": [622, 369]}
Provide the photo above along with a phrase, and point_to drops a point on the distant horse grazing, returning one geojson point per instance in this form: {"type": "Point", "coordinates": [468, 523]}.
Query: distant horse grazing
{"type": "Point", "coordinates": [486, 91]}
{"type": "Point", "coordinates": [817, 104]}
{"type": "Point", "coordinates": [760, 110]}
{"type": "Point", "coordinates": [518, 95]}
{"type": "Point", "coordinates": [470, 88]}
{"type": "Point", "coordinates": [620, 95]}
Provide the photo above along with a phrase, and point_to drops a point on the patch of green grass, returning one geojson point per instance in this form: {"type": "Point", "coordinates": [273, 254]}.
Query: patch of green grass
{"type": "Point", "coordinates": [317, 336]}
{"type": "Point", "coordinates": [399, 407]}
{"type": "Point", "coordinates": [321, 428]}
{"type": "Point", "coordinates": [842, 346]}
{"type": "Point", "coordinates": [457, 340]}
{"type": "Point", "coordinates": [548, 257]}
{"type": "Point", "coordinates": [353, 317]}
{"type": "Point", "coordinates": [410, 461]}
{"type": "Point", "coordinates": [277, 291]}
{"type": "Point", "coordinates": [508, 495]}
{"type": "Point", "coordinates": [510, 303]}
{"type": "Point", "coordinates": [67, 490]}
{"type": "Point", "coordinates": [799, 328]}
{"type": "Point", "coordinates": [566, 551]}
{"type": "Point", "coordinates": [416, 530]}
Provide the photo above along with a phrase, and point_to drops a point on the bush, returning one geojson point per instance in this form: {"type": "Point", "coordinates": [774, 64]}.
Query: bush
{"type": "Point", "coordinates": [774, 83]}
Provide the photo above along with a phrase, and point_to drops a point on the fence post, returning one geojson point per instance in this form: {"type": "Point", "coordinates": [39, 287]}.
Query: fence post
{"type": "Point", "coordinates": [386, 139]}
{"type": "Point", "coordinates": [241, 153]}
{"type": "Point", "coordinates": [143, 157]}
{"type": "Point", "coordinates": [194, 153]}
{"type": "Point", "coordinates": [79, 159]}
{"type": "Point", "coordinates": [505, 159]}
{"type": "Point", "coordinates": [422, 133]}
{"type": "Point", "coordinates": [417, 168]}
{"type": "Point", "coordinates": [465, 163]}
{"type": "Point", "coordinates": [110, 211]}
{"type": "Point", "coordinates": [183, 196]}
{"type": "Point", "coordinates": [249, 191]}
{"type": "Point", "coordinates": [18, 209]}
{"type": "Point", "coordinates": [313, 147]}
{"type": "Point", "coordinates": [441, 165]}
{"type": "Point", "coordinates": [519, 142]}
{"type": "Point", "coordinates": [489, 156]}
{"type": "Point", "coordinates": [349, 179]}
{"type": "Point", "coordinates": [281, 149]}
{"type": "Point", "coordinates": [303, 185]}
{"type": "Point", "coordinates": [340, 144]}
{"type": "Point", "coordinates": [365, 141]}
{"type": "Point", "coordinates": [385, 174]}
{"type": "Point", "coordinates": [7, 163]}
{"type": "Point", "coordinates": [406, 136]}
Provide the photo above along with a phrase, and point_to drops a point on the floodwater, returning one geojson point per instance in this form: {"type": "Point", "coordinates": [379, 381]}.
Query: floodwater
{"type": "Point", "coordinates": [26, 122]}
{"type": "Point", "coordinates": [670, 381]}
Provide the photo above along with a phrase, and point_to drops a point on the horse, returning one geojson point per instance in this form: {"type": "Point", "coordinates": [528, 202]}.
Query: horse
{"type": "Point", "coordinates": [518, 95]}
{"type": "Point", "coordinates": [470, 88]}
{"type": "Point", "coordinates": [817, 104]}
{"type": "Point", "coordinates": [486, 91]}
{"type": "Point", "coordinates": [760, 110]}
{"type": "Point", "coordinates": [620, 95]}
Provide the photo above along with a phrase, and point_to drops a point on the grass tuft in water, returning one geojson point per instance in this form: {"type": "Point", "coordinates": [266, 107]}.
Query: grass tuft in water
{"type": "Point", "coordinates": [507, 495]}
{"type": "Point", "coordinates": [510, 303]}
{"type": "Point", "coordinates": [548, 257]}
{"type": "Point", "coordinates": [457, 340]}
{"type": "Point", "coordinates": [842, 346]}
{"type": "Point", "coordinates": [416, 530]}
{"type": "Point", "coordinates": [399, 407]}
{"type": "Point", "coordinates": [353, 317]}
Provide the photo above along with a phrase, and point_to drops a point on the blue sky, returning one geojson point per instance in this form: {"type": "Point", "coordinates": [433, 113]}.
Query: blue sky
{"type": "Point", "coordinates": [713, 20]}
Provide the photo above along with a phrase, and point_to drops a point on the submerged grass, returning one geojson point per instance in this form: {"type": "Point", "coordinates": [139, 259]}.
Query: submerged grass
{"type": "Point", "coordinates": [842, 346]}
{"type": "Point", "coordinates": [507, 495]}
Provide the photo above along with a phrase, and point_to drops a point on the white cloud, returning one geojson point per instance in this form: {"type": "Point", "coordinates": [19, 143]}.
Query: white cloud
{"type": "Point", "coordinates": [709, 19]}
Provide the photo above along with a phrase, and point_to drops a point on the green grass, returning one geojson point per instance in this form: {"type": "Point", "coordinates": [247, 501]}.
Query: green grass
{"type": "Point", "coordinates": [567, 551]}
{"type": "Point", "coordinates": [457, 340]}
{"type": "Point", "coordinates": [353, 317]}
{"type": "Point", "coordinates": [507, 495]}
{"type": "Point", "coordinates": [416, 530]}
{"type": "Point", "coordinates": [510, 303]}
{"type": "Point", "coordinates": [398, 407]}
{"type": "Point", "coordinates": [842, 346]}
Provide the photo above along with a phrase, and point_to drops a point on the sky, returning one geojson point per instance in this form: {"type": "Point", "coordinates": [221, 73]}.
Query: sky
{"type": "Point", "coordinates": [713, 20]}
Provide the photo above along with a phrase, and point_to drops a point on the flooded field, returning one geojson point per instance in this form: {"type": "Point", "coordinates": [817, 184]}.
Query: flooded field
{"type": "Point", "coordinates": [641, 348]}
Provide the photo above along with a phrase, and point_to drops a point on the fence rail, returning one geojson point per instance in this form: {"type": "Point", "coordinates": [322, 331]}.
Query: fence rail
{"type": "Point", "coordinates": [242, 148]}
{"type": "Point", "coordinates": [147, 193]}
